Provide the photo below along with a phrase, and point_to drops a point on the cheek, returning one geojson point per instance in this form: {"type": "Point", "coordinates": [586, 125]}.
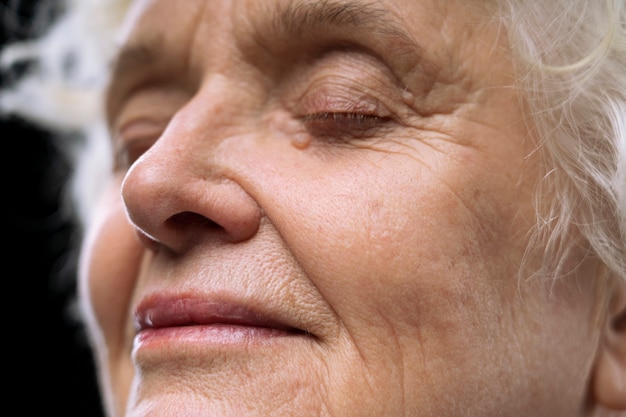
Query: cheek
{"type": "Point", "coordinates": [407, 252]}
{"type": "Point", "coordinates": [410, 271]}
{"type": "Point", "coordinates": [109, 266]}
{"type": "Point", "coordinates": [403, 238]}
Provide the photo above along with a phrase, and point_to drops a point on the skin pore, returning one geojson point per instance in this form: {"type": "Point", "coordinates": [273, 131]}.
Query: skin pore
{"type": "Point", "coordinates": [348, 188]}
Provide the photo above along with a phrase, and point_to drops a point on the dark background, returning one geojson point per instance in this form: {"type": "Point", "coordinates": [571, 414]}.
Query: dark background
{"type": "Point", "coordinates": [51, 369]}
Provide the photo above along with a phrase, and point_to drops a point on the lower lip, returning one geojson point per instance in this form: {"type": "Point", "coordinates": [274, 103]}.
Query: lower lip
{"type": "Point", "coordinates": [214, 334]}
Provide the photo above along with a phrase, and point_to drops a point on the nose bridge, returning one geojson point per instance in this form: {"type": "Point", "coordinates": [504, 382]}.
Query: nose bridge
{"type": "Point", "coordinates": [214, 113]}
{"type": "Point", "coordinates": [179, 191]}
{"type": "Point", "coordinates": [186, 149]}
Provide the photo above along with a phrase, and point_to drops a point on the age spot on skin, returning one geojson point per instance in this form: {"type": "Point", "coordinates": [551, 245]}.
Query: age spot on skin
{"type": "Point", "coordinates": [408, 98]}
{"type": "Point", "coordinates": [283, 124]}
{"type": "Point", "coordinates": [301, 140]}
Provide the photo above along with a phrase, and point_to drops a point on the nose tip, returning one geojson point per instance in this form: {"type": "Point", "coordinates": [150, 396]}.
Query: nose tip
{"type": "Point", "coordinates": [177, 209]}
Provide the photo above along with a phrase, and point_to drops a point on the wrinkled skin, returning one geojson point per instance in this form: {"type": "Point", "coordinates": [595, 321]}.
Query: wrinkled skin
{"type": "Point", "coordinates": [349, 193]}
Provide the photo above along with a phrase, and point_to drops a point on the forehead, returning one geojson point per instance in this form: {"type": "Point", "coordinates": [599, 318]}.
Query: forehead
{"type": "Point", "coordinates": [443, 39]}
{"type": "Point", "coordinates": [332, 11]}
{"type": "Point", "coordinates": [430, 25]}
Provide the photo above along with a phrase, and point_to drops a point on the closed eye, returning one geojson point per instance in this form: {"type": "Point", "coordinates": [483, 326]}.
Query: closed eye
{"type": "Point", "coordinates": [128, 151]}
{"type": "Point", "coordinates": [343, 125]}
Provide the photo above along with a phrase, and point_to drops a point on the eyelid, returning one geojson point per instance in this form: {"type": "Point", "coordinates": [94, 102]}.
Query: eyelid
{"type": "Point", "coordinates": [146, 111]}
{"type": "Point", "coordinates": [328, 106]}
{"type": "Point", "coordinates": [337, 108]}
{"type": "Point", "coordinates": [335, 97]}
{"type": "Point", "coordinates": [133, 139]}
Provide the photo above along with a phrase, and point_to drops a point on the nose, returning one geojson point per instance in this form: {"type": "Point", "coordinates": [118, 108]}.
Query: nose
{"type": "Point", "coordinates": [177, 195]}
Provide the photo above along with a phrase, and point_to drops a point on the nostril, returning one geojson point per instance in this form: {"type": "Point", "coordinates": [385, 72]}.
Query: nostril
{"type": "Point", "coordinates": [189, 219]}
{"type": "Point", "coordinates": [171, 236]}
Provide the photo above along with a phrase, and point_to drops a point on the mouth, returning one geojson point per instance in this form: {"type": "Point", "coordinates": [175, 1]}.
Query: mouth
{"type": "Point", "coordinates": [166, 320]}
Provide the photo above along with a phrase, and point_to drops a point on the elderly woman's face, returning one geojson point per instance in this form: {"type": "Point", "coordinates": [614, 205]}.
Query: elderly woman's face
{"type": "Point", "coordinates": [320, 209]}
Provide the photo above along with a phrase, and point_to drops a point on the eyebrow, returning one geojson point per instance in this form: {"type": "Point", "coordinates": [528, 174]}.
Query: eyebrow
{"type": "Point", "coordinates": [136, 55]}
{"type": "Point", "coordinates": [296, 20]}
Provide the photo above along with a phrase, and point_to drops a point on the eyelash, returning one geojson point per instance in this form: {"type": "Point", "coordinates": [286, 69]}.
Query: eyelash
{"type": "Point", "coordinates": [343, 125]}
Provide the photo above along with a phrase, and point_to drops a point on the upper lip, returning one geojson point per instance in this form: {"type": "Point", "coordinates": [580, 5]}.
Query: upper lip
{"type": "Point", "coordinates": [162, 310]}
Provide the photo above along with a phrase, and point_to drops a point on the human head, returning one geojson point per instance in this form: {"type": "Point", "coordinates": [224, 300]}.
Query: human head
{"type": "Point", "coordinates": [446, 286]}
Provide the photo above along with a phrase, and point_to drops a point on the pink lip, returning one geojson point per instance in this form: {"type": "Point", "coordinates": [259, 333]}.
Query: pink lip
{"type": "Point", "coordinates": [158, 312]}
{"type": "Point", "coordinates": [162, 320]}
